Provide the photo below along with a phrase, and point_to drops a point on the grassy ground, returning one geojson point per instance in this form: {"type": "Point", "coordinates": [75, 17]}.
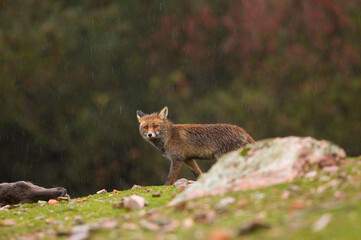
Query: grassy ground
{"type": "Point", "coordinates": [326, 206]}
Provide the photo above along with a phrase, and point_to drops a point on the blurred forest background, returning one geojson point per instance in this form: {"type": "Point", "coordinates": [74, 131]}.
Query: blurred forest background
{"type": "Point", "coordinates": [73, 73]}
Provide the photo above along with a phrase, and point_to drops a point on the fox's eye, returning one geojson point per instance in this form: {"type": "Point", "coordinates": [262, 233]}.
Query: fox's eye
{"type": "Point", "coordinates": [145, 127]}
{"type": "Point", "coordinates": [155, 126]}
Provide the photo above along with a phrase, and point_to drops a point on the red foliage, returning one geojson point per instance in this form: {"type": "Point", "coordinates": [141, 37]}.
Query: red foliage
{"type": "Point", "coordinates": [255, 29]}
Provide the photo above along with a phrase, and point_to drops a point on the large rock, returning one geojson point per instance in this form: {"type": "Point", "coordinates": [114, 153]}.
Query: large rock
{"type": "Point", "coordinates": [264, 163]}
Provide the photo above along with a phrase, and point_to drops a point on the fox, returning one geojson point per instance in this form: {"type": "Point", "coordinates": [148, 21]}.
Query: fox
{"type": "Point", "coordinates": [186, 143]}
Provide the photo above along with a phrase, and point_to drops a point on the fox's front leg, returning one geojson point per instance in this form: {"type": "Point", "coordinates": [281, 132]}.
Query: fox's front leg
{"type": "Point", "coordinates": [175, 167]}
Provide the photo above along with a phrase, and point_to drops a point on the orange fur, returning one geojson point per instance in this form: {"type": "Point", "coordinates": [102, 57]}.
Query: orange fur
{"type": "Point", "coordinates": [188, 142]}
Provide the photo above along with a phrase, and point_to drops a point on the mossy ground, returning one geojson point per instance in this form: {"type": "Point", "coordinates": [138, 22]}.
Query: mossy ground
{"type": "Point", "coordinates": [291, 210]}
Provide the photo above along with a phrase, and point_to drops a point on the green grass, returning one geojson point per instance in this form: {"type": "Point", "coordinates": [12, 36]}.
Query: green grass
{"type": "Point", "coordinates": [290, 218]}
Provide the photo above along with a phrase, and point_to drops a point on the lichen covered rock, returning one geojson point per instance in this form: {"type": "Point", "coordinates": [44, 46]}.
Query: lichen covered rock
{"type": "Point", "coordinates": [264, 163]}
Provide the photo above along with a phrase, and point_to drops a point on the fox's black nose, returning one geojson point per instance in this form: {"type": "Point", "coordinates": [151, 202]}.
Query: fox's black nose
{"type": "Point", "coordinates": [149, 134]}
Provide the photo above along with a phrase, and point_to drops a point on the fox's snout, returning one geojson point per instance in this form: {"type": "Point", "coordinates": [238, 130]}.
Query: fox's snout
{"type": "Point", "coordinates": [151, 134]}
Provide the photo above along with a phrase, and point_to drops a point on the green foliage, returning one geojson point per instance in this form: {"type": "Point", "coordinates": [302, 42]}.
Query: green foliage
{"type": "Point", "coordinates": [73, 73]}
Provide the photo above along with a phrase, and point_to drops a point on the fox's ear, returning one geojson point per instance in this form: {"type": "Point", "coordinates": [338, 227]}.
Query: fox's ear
{"type": "Point", "coordinates": [163, 113]}
{"type": "Point", "coordinates": [140, 114]}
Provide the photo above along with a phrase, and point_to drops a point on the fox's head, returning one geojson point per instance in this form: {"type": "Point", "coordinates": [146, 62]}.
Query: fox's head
{"type": "Point", "coordinates": [153, 125]}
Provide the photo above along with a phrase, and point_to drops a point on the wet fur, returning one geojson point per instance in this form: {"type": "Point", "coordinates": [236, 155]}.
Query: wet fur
{"type": "Point", "coordinates": [26, 192]}
{"type": "Point", "coordinates": [184, 143]}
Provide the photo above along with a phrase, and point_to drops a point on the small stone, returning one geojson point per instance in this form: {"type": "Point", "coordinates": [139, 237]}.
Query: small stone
{"type": "Point", "coordinates": [80, 232]}
{"type": "Point", "coordinates": [187, 223]}
{"type": "Point", "coordinates": [40, 217]}
{"type": "Point", "coordinates": [170, 227]}
{"type": "Point", "coordinates": [331, 169]}
{"type": "Point", "coordinates": [52, 202]}
{"type": "Point", "coordinates": [8, 223]}
{"type": "Point", "coordinates": [311, 174]}
{"type": "Point", "coordinates": [157, 194]}
{"type": "Point", "coordinates": [223, 203]}
{"type": "Point", "coordinates": [242, 203]}
{"type": "Point", "coordinates": [50, 220]}
{"type": "Point", "coordinates": [78, 219]}
{"type": "Point", "coordinates": [183, 183]}
{"type": "Point", "coordinates": [179, 182]}
{"type": "Point", "coordinates": [324, 178]}
{"type": "Point", "coordinates": [206, 217]}
{"type": "Point", "coordinates": [109, 223]}
{"type": "Point", "coordinates": [102, 191]}
{"type": "Point", "coordinates": [116, 191]}
{"type": "Point", "coordinates": [118, 205]}
{"type": "Point", "coordinates": [297, 205]}
{"type": "Point", "coordinates": [42, 203]}
{"type": "Point", "coordinates": [129, 226]}
{"type": "Point", "coordinates": [322, 222]}
{"type": "Point", "coordinates": [81, 200]}
{"type": "Point", "coordinates": [136, 187]}
{"type": "Point", "coordinates": [285, 195]}
{"type": "Point", "coordinates": [294, 188]}
{"type": "Point", "coordinates": [253, 226]}
{"type": "Point", "coordinates": [339, 195]}
{"type": "Point", "coordinates": [220, 234]}
{"type": "Point", "coordinates": [134, 202]}
{"type": "Point", "coordinates": [64, 199]}
{"type": "Point", "coordinates": [150, 226]}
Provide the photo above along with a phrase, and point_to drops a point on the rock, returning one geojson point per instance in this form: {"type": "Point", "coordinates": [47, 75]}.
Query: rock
{"type": "Point", "coordinates": [223, 203]}
{"type": "Point", "coordinates": [40, 217]}
{"type": "Point", "coordinates": [147, 225]}
{"type": "Point", "coordinates": [331, 169]}
{"type": "Point", "coordinates": [50, 220]}
{"type": "Point", "coordinates": [81, 200]}
{"type": "Point", "coordinates": [264, 163]}
{"type": "Point", "coordinates": [42, 203]}
{"type": "Point", "coordinates": [311, 174]}
{"type": "Point", "coordinates": [129, 226]}
{"type": "Point", "coordinates": [161, 223]}
{"type": "Point", "coordinates": [253, 226]}
{"type": "Point", "coordinates": [136, 187]}
{"type": "Point", "coordinates": [187, 224]}
{"type": "Point", "coordinates": [52, 202]}
{"type": "Point", "coordinates": [64, 199]}
{"type": "Point", "coordinates": [182, 183]}
{"type": "Point", "coordinates": [108, 223]}
{"type": "Point", "coordinates": [102, 191]}
{"type": "Point", "coordinates": [339, 195]}
{"type": "Point", "coordinates": [134, 202]}
{"type": "Point", "coordinates": [80, 232]}
{"type": "Point", "coordinates": [322, 222]}
{"type": "Point", "coordinates": [118, 205]}
{"type": "Point", "coordinates": [8, 223]}
{"type": "Point", "coordinates": [220, 234]}
{"type": "Point", "coordinates": [157, 194]}
{"type": "Point", "coordinates": [206, 217]}
{"type": "Point", "coordinates": [78, 220]}
{"type": "Point", "coordinates": [242, 203]}
{"type": "Point", "coordinates": [333, 183]}
{"type": "Point", "coordinates": [286, 194]}
{"type": "Point", "coordinates": [297, 204]}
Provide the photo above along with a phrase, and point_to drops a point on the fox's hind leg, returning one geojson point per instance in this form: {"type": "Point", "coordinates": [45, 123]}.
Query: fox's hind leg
{"type": "Point", "coordinates": [192, 164]}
